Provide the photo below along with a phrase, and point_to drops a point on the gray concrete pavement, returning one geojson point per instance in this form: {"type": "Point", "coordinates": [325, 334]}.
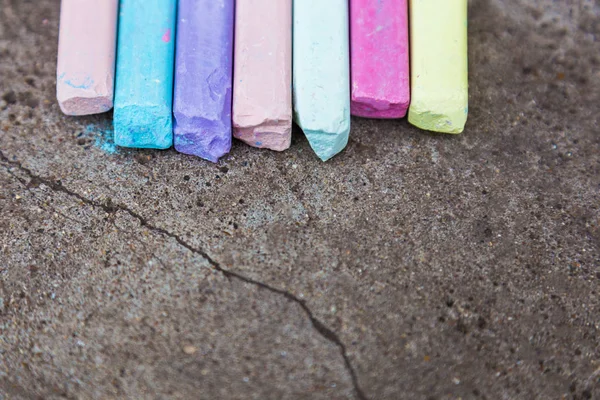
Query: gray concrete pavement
{"type": "Point", "coordinates": [411, 266]}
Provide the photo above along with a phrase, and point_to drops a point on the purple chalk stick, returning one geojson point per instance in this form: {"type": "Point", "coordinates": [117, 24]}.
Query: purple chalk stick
{"type": "Point", "coordinates": [203, 78]}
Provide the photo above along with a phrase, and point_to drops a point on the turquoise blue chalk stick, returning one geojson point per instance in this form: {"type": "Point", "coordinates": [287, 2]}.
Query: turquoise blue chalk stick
{"type": "Point", "coordinates": [321, 85]}
{"type": "Point", "coordinates": [144, 77]}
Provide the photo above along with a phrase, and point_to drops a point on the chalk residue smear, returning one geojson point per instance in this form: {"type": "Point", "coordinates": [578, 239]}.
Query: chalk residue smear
{"type": "Point", "coordinates": [103, 138]}
{"type": "Point", "coordinates": [167, 36]}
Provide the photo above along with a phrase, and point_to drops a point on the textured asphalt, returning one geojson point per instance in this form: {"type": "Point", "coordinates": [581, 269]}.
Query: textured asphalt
{"type": "Point", "coordinates": [411, 266]}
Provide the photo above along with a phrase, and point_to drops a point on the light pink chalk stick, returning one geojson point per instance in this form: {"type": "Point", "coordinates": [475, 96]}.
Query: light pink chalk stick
{"type": "Point", "coordinates": [379, 58]}
{"type": "Point", "coordinates": [86, 56]}
{"type": "Point", "coordinates": [262, 95]}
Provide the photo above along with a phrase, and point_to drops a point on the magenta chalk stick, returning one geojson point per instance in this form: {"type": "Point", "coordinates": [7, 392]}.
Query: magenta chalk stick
{"type": "Point", "coordinates": [86, 56]}
{"type": "Point", "coordinates": [379, 58]}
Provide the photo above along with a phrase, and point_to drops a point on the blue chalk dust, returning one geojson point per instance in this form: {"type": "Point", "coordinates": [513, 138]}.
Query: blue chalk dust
{"type": "Point", "coordinates": [103, 138]}
{"type": "Point", "coordinates": [85, 85]}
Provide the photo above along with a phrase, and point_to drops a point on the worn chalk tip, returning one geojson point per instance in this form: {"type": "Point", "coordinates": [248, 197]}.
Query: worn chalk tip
{"type": "Point", "coordinates": [144, 127]}
{"type": "Point", "coordinates": [327, 144]}
{"type": "Point", "coordinates": [78, 105]}
{"type": "Point", "coordinates": [209, 140]}
{"type": "Point", "coordinates": [270, 134]}
{"type": "Point", "coordinates": [79, 94]}
{"type": "Point", "coordinates": [449, 120]}
{"type": "Point", "coordinates": [370, 107]}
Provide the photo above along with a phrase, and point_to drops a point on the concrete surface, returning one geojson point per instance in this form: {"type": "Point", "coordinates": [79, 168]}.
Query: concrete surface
{"type": "Point", "coordinates": [412, 266]}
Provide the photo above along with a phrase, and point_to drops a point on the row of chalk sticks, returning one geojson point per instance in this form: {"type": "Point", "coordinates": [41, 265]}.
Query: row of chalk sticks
{"type": "Point", "coordinates": [195, 73]}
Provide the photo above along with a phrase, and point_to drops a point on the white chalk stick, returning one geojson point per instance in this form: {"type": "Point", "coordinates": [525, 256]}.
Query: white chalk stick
{"type": "Point", "coordinates": [322, 74]}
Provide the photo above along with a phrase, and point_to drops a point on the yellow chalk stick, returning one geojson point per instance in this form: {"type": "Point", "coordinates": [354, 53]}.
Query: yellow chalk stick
{"type": "Point", "coordinates": [439, 72]}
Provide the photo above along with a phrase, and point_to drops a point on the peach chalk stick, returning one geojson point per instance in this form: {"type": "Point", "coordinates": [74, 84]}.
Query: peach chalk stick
{"type": "Point", "coordinates": [86, 56]}
{"type": "Point", "coordinates": [379, 58]}
{"type": "Point", "coordinates": [262, 95]}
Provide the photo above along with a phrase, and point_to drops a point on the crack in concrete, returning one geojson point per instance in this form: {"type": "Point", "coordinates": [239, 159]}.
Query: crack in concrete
{"type": "Point", "coordinates": [31, 184]}
{"type": "Point", "coordinates": [110, 208]}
